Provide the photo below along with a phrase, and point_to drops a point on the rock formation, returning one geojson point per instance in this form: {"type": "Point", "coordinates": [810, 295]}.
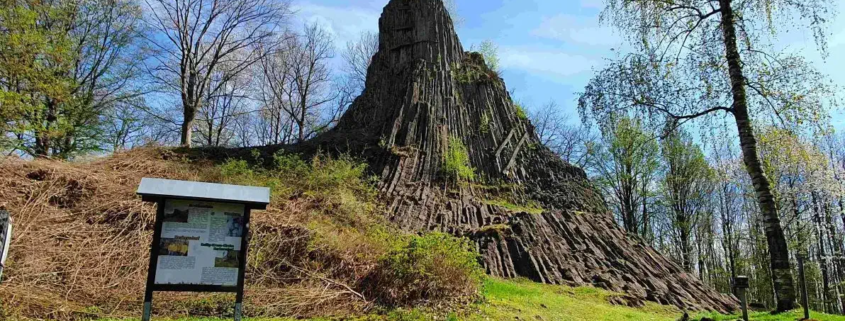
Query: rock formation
{"type": "Point", "coordinates": [530, 213]}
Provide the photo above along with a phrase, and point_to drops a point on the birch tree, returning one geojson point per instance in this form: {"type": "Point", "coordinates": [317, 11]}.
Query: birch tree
{"type": "Point", "coordinates": [695, 59]}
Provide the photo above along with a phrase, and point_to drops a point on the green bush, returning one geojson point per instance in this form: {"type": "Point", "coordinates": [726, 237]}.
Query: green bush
{"type": "Point", "coordinates": [456, 165]}
{"type": "Point", "coordinates": [485, 124]}
{"type": "Point", "coordinates": [520, 112]}
{"type": "Point", "coordinates": [432, 267]}
{"type": "Point", "coordinates": [236, 168]}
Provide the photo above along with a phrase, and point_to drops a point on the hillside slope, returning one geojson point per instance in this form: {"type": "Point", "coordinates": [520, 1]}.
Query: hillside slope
{"type": "Point", "coordinates": [81, 242]}
{"type": "Point", "coordinates": [454, 154]}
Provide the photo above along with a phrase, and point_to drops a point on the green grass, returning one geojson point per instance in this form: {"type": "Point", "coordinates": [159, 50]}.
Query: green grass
{"type": "Point", "coordinates": [765, 316]}
{"type": "Point", "coordinates": [526, 300]}
{"type": "Point", "coordinates": [530, 208]}
{"type": "Point", "coordinates": [508, 299]}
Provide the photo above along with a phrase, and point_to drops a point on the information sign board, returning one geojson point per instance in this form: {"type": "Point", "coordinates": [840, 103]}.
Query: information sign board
{"type": "Point", "coordinates": [201, 237]}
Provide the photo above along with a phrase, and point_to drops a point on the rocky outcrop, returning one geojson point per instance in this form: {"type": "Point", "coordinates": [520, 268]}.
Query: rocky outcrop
{"type": "Point", "coordinates": [530, 214]}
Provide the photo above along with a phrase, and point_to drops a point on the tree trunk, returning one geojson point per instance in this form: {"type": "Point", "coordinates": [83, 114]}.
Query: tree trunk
{"type": "Point", "coordinates": [826, 297]}
{"type": "Point", "coordinates": [645, 232]}
{"type": "Point", "coordinates": [778, 251]}
{"type": "Point", "coordinates": [686, 256]}
{"type": "Point", "coordinates": [188, 125]}
{"type": "Point", "coordinates": [836, 248]}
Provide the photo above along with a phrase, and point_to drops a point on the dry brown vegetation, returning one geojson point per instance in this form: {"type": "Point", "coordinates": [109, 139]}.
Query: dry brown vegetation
{"type": "Point", "coordinates": [80, 248]}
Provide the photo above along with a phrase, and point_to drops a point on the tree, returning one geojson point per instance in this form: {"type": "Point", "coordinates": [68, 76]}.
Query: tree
{"type": "Point", "coordinates": [688, 55]}
{"type": "Point", "coordinates": [573, 144]}
{"type": "Point", "coordinates": [452, 8]}
{"type": "Point", "coordinates": [729, 196]}
{"type": "Point", "coordinates": [29, 77]}
{"type": "Point", "coordinates": [220, 110]}
{"type": "Point", "coordinates": [123, 126]}
{"type": "Point", "coordinates": [623, 167]}
{"type": "Point", "coordinates": [298, 80]}
{"type": "Point", "coordinates": [490, 51]}
{"type": "Point", "coordinates": [357, 57]}
{"type": "Point", "coordinates": [686, 187]}
{"type": "Point", "coordinates": [65, 64]}
{"type": "Point", "coordinates": [196, 38]}
{"type": "Point", "coordinates": [804, 183]}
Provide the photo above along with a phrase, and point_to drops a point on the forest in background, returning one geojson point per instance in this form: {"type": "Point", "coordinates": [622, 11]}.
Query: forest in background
{"type": "Point", "coordinates": [93, 77]}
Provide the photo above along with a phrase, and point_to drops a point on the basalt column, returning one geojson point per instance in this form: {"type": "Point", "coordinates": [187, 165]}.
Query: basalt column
{"type": "Point", "coordinates": [530, 214]}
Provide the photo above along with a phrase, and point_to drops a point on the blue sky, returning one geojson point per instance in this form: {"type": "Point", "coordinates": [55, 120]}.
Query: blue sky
{"type": "Point", "coordinates": [548, 48]}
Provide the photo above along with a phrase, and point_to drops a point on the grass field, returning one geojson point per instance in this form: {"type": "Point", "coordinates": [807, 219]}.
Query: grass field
{"type": "Point", "coordinates": [525, 300]}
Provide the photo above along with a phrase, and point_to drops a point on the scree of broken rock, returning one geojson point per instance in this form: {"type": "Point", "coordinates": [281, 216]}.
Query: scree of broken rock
{"type": "Point", "coordinates": [529, 213]}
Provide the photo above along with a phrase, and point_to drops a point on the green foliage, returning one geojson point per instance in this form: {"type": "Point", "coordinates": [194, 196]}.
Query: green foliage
{"type": "Point", "coordinates": [687, 187]}
{"type": "Point", "coordinates": [490, 51]}
{"type": "Point", "coordinates": [520, 112]}
{"type": "Point", "coordinates": [236, 168]}
{"type": "Point", "coordinates": [435, 266]}
{"type": "Point", "coordinates": [484, 127]}
{"type": "Point", "coordinates": [473, 69]}
{"type": "Point", "coordinates": [624, 166]}
{"type": "Point", "coordinates": [456, 164]}
{"type": "Point", "coordinates": [531, 207]}
{"type": "Point", "coordinates": [31, 81]}
{"type": "Point", "coordinates": [468, 73]}
{"type": "Point", "coordinates": [61, 70]}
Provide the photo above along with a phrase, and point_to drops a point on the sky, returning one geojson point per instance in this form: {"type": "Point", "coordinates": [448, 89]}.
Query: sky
{"type": "Point", "coordinates": [549, 49]}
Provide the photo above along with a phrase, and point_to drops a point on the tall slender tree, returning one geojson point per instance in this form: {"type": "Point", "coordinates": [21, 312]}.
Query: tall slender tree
{"type": "Point", "coordinates": [623, 166]}
{"type": "Point", "coordinates": [700, 59]}
{"type": "Point", "coordinates": [686, 187]}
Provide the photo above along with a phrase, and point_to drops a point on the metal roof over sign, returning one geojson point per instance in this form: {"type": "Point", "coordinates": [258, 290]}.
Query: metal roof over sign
{"type": "Point", "coordinates": [153, 189]}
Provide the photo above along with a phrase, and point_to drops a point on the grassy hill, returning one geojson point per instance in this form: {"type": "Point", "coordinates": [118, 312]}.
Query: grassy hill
{"type": "Point", "coordinates": [81, 248]}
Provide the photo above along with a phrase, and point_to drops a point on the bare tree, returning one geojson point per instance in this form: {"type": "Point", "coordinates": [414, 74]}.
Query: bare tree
{"type": "Point", "coordinates": [274, 124]}
{"type": "Point", "coordinates": [573, 143]}
{"type": "Point", "coordinates": [123, 126]}
{"type": "Point", "coordinates": [358, 55]}
{"type": "Point", "coordinates": [195, 38]}
{"type": "Point", "coordinates": [220, 110]}
{"type": "Point", "coordinates": [298, 83]}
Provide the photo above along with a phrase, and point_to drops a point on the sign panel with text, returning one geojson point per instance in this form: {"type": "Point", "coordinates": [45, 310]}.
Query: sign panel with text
{"type": "Point", "coordinates": [200, 243]}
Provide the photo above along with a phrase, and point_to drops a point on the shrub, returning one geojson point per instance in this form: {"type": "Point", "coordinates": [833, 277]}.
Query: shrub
{"type": "Point", "coordinates": [432, 267]}
{"type": "Point", "coordinates": [485, 124]}
{"type": "Point", "coordinates": [520, 112]}
{"type": "Point", "coordinates": [236, 168]}
{"type": "Point", "coordinates": [456, 165]}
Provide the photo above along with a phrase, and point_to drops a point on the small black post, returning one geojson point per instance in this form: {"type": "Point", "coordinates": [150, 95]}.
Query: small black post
{"type": "Point", "coordinates": [239, 297]}
{"type": "Point", "coordinates": [804, 299]}
{"type": "Point", "coordinates": [740, 284]}
{"type": "Point", "coordinates": [151, 273]}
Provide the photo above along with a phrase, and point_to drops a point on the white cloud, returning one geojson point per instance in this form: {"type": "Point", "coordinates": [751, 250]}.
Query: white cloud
{"type": "Point", "coordinates": [575, 29]}
{"type": "Point", "coordinates": [553, 63]}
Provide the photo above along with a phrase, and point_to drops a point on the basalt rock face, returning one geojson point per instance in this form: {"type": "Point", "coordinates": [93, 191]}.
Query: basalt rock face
{"type": "Point", "coordinates": [530, 214]}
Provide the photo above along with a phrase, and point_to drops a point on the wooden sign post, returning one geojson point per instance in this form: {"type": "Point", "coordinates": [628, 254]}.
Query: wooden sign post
{"type": "Point", "coordinates": [804, 300]}
{"type": "Point", "coordinates": [741, 283]}
{"type": "Point", "coordinates": [200, 238]}
{"type": "Point", "coordinates": [5, 239]}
